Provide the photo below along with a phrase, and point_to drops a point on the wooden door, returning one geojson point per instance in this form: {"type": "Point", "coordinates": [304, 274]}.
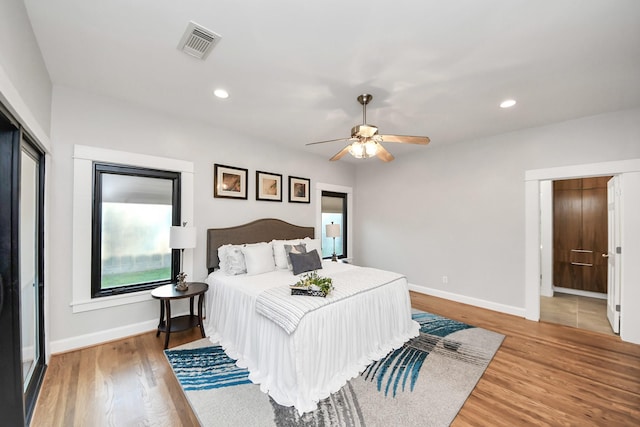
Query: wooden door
{"type": "Point", "coordinates": [580, 234]}
{"type": "Point", "coordinates": [567, 232]}
{"type": "Point", "coordinates": [594, 232]}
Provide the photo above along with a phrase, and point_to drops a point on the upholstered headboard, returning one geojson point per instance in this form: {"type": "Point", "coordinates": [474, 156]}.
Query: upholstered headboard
{"type": "Point", "coordinates": [261, 230]}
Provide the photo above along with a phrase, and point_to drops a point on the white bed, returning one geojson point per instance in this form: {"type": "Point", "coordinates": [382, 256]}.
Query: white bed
{"type": "Point", "coordinates": [329, 346]}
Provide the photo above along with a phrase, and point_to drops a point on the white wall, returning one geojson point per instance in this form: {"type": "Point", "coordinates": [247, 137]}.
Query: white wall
{"type": "Point", "coordinates": [81, 118]}
{"type": "Point", "coordinates": [24, 81]}
{"type": "Point", "coordinates": [459, 210]}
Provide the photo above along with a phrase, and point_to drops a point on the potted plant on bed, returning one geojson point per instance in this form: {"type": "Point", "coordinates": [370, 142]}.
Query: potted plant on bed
{"type": "Point", "coordinates": [312, 284]}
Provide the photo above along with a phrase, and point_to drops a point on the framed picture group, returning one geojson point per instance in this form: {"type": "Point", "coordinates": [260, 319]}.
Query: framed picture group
{"type": "Point", "coordinates": [232, 182]}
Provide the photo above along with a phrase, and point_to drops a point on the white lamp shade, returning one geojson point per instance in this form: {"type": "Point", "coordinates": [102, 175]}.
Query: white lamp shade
{"type": "Point", "coordinates": [182, 237]}
{"type": "Point", "coordinates": [333, 230]}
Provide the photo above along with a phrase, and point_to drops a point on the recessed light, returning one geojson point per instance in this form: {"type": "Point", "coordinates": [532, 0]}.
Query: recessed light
{"type": "Point", "coordinates": [221, 93]}
{"type": "Point", "coordinates": [508, 103]}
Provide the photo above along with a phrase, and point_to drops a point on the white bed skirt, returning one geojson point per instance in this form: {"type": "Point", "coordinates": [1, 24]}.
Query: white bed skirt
{"type": "Point", "coordinates": [329, 347]}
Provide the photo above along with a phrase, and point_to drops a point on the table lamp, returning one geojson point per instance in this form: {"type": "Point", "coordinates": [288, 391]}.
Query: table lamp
{"type": "Point", "coordinates": [333, 230]}
{"type": "Point", "coordinates": [182, 238]}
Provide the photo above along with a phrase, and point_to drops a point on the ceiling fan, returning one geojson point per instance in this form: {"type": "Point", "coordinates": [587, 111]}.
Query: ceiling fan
{"type": "Point", "coordinates": [365, 140]}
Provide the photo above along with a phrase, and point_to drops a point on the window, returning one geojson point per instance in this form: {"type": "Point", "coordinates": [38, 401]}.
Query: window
{"type": "Point", "coordinates": [334, 210]}
{"type": "Point", "coordinates": [133, 209]}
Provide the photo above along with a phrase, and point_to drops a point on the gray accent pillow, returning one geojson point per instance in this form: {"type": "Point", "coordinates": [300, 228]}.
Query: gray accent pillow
{"type": "Point", "coordinates": [300, 248]}
{"type": "Point", "coordinates": [308, 261]}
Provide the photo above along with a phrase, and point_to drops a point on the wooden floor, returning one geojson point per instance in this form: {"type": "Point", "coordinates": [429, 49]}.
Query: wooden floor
{"type": "Point", "coordinates": [543, 374]}
{"type": "Point", "coordinates": [122, 383]}
{"type": "Point", "coordinates": [548, 374]}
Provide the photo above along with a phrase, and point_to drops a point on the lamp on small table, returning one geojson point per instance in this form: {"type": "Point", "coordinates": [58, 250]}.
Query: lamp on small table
{"type": "Point", "coordinates": [333, 230]}
{"type": "Point", "coordinates": [182, 238]}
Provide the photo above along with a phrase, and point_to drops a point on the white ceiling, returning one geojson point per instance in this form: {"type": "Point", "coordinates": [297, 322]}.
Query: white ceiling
{"type": "Point", "coordinates": [295, 67]}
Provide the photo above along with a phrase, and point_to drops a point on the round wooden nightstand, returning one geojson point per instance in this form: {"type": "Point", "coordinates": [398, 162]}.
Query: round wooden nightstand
{"type": "Point", "coordinates": [168, 324]}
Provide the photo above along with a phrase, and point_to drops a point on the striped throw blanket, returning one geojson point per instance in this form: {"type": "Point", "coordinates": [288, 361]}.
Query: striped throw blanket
{"type": "Point", "coordinates": [287, 310]}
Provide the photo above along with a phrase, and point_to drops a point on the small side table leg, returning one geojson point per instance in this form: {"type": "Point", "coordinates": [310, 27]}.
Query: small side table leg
{"type": "Point", "coordinates": [200, 323]}
{"type": "Point", "coordinates": [167, 323]}
{"type": "Point", "coordinates": [161, 318]}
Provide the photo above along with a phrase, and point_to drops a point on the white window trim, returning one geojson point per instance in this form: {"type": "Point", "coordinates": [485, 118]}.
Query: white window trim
{"type": "Point", "coordinates": [320, 187]}
{"type": "Point", "coordinates": [83, 158]}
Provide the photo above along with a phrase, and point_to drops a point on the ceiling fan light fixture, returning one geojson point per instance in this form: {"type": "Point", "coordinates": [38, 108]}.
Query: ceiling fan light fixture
{"type": "Point", "coordinates": [365, 140]}
{"type": "Point", "coordinates": [371, 148]}
{"type": "Point", "coordinates": [356, 149]}
{"type": "Point", "coordinates": [363, 150]}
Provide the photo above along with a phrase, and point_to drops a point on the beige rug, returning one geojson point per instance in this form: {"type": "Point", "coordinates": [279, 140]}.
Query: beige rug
{"type": "Point", "coordinates": [424, 383]}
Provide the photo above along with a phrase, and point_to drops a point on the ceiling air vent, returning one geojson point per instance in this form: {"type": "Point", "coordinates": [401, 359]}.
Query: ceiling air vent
{"type": "Point", "coordinates": [198, 41]}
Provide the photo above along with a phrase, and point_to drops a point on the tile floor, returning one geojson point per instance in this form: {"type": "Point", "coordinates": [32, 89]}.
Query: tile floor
{"type": "Point", "coordinates": [577, 311]}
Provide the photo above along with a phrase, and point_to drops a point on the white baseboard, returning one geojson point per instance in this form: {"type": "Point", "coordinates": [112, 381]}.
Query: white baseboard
{"type": "Point", "coordinates": [88, 340]}
{"type": "Point", "coordinates": [489, 305]}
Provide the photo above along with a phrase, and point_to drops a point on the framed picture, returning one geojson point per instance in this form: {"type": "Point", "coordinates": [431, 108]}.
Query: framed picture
{"type": "Point", "coordinates": [229, 182]}
{"type": "Point", "coordinates": [268, 186]}
{"type": "Point", "coordinates": [299, 190]}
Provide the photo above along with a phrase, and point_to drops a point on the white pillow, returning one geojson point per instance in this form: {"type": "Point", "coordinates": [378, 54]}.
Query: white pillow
{"type": "Point", "coordinates": [235, 261]}
{"type": "Point", "coordinates": [312, 244]}
{"type": "Point", "coordinates": [231, 259]}
{"type": "Point", "coordinates": [259, 258]}
{"type": "Point", "coordinates": [279, 254]}
{"type": "Point", "coordinates": [222, 256]}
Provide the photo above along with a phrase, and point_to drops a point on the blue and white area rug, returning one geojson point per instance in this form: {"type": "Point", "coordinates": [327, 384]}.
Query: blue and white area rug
{"type": "Point", "coordinates": [424, 383]}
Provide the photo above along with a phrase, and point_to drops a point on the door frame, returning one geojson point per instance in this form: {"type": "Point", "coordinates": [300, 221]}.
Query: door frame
{"type": "Point", "coordinates": [11, 392]}
{"type": "Point", "coordinates": [533, 182]}
{"type": "Point", "coordinates": [320, 187]}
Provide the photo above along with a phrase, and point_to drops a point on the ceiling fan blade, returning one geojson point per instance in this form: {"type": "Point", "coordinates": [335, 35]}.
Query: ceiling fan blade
{"type": "Point", "coordinates": [383, 154]}
{"type": "Point", "coordinates": [332, 140]}
{"type": "Point", "coordinates": [406, 139]}
{"type": "Point", "coordinates": [341, 154]}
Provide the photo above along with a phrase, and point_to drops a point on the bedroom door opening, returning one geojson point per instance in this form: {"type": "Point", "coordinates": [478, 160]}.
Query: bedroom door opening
{"type": "Point", "coordinates": [538, 232]}
{"type": "Point", "coordinates": [578, 293]}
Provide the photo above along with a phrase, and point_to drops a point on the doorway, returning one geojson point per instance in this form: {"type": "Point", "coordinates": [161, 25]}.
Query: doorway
{"type": "Point", "coordinates": [628, 173]}
{"type": "Point", "coordinates": [580, 249]}
{"type": "Point", "coordinates": [22, 352]}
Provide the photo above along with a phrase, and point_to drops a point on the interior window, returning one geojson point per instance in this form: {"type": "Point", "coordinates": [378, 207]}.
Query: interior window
{"type": "Point", "coordinates": [334, 210]}
{"type": "Point", "coordinates": [134, 209]}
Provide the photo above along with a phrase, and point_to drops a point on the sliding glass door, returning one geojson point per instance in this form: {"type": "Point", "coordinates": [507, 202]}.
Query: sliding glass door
{"type": "Point", "coordinates": [22, 356]}
{"type": "Point", "coordinates": [31, 242]}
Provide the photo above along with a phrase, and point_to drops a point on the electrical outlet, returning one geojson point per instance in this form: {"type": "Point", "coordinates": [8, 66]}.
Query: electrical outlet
{"type": "Point", "coordinates": [445, 279]}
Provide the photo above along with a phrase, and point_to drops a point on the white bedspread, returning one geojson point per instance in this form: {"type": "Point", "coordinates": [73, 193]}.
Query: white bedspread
{"type": "Point", "coordinates": [329, 346]}
{"type": "Point", "coordinates": [287, 311]}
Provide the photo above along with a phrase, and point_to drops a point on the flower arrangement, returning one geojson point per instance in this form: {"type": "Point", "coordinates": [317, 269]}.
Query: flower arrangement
{"type": "Point", "coordinates": [313, 284]}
